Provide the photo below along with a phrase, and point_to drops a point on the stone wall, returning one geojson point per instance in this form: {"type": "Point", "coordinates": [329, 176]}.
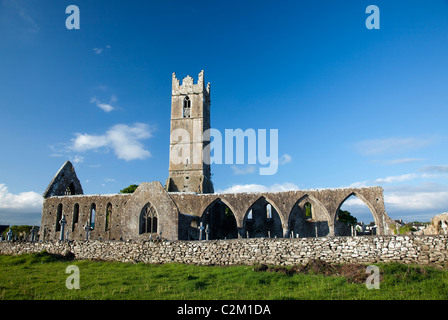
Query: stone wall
{"type": "Point", "coordinates": [367, 249]}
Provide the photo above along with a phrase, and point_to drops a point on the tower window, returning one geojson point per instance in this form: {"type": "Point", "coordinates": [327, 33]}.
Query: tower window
{"type": "Point", "coordinates": [187, 108]}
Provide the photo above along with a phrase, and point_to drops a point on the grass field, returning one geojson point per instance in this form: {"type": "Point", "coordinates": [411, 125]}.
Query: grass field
{"type": "Point", "coordinates": [43, 277]}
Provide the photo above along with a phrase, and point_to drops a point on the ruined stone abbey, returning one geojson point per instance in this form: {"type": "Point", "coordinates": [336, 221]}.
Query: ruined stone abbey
{"type": "Point", "coordinates": [187, 208]}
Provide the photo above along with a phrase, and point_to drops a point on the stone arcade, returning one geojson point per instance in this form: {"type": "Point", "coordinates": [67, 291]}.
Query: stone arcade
{"type": "Point", "coordinates": [187, 202]}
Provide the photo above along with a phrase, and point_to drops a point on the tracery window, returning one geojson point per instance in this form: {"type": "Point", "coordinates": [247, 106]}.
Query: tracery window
{"type": "Point", "coordinates": [148, 219]}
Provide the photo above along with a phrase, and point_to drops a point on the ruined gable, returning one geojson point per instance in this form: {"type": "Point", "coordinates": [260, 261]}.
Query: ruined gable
{"type": "Point", "coordinates": [65, 182]}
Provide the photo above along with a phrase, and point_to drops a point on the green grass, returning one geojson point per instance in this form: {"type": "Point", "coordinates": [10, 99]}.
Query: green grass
{"type": "Point", "coordinates": [43, 276]}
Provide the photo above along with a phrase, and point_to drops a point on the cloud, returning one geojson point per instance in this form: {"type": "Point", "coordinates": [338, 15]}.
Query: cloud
{"type": "Point", "coordinates": [100, 50]}
{"type": "Point", "coordinates": [422, 203]}
{"type": "Point", "coordinates": [17, 9]}
{"type": "Point", "coordinates": [106, 107]}
{"type": "Point", "coordinates": [392, 145]}
{"type": "Point", "coordinates": [22, 208]}
{"type": "Point", "coordinates": [124, 140]}
{"type": "Point", "coordinates": [440, 168]}
{"type": "Point", "coordinates": [284, 159]}
{"type": "Point", "coordinates": [243, 170]}
{"type": "Point", "coordinates": [239, 188]}
{"type": "Point", "coordinates": [399, 178]}
{"type": "Point", "coordinates": [418, 202]}
{"type": "Point", "coordinates": [403, 160]}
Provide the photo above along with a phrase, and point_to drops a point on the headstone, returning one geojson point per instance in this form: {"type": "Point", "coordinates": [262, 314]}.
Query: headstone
{"type": "Point", "coordinates": [87, 229]}
{"type": "Point", "coordinates": [201, 227]}
{"type": "Point", "coordinates": [207, 231]}
{"type": "Point", "coordinates": [62, 222]}
{"type": "Point", "coordinates": [33, 234]}
{"type": "Point", "coordinates": [9, 235]}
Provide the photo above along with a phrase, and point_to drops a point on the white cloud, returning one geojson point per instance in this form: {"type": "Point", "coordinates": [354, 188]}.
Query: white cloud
{"type": "Point", "coordinates": [424, 204]}
{"type": "Point", "coordinates": [239, 188]}
{"type": "Point", "coordinates": [243, 170]}
{"type": "Point", "coordinates": [440, 168]}
{"type": "Point", "coordinates": [100, 50]}
{"type": "Point", "coordinates": [124, 140]}
{"type": "Point", "coordinates": [77, 159]}
{"type": "Point", "coordinates": [284, 159]}
{"type": "Point", "coordinates": [392, 145]}
{"type": "Point", "coordinates": [106, 107]}
{"type": "Point", "coordinates": [22, 208]}
{"type": "Point", "coordinates": [399, 178]}
{"type": "Point", "coordinates": [403, 160]}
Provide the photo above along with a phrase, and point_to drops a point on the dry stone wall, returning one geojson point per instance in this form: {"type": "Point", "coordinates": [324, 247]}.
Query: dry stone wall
{"type": "Point", "coordinates": [368, 249]}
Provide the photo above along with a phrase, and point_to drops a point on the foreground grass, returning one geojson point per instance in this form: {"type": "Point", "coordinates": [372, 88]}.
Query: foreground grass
{"type": "Point", "coordinates": [43, 276]}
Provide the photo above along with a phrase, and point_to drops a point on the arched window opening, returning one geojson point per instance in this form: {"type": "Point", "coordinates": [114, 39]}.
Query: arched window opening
{"type": "Point", "coordinates": [308, 218]}
{"type": "Point", "coordinates": [308, 211]}
{"type": "Point", "coordinates": [148, 219]}
{"type": "Point", "coordinates": [70, 190]}
{"type": "Point", "coordinates": [108, 216]}
{"type": "Point", "coordinates": [75, 216]}
{"type": "Point", "coordinates": [58, 217]}
{"type": "Point", "coordinates": [262, 220]}
{"type": "Point", "coordinates": [268, 211]}
{"type": "Point", "coordinates": [187, 108]}
{"type": "Point", "coordinates": [92, 216]}
{"type": "Point", "coordinates": [354, 218]}
{"type": "Point", "coordinates": [220, 220]}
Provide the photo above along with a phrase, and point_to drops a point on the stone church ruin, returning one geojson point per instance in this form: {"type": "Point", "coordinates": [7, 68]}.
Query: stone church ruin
{"type": "Point", "coordinates": [187, 208]}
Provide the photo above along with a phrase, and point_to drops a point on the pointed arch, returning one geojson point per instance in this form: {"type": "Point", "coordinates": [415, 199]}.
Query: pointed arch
{"type": "Point", "coordinates": [70, 190]}
{"type": "Point", "coordinates": [186, 110]}
{"type": "Point", "coordinates": [344, 228]}
{"type": "Point", "coordinates": [75, 216]}
{"type": "Point", "coordinates": [148, 222]}
{"type": "Point", "coordinates": [262, 219]}
{"type": "Point", "coordinates": [108, 223]}
{"type": "Point", "coordinates": [58, 217]}
{"type": "Point", "coordinates": [308, 217]}
{"type": "Point", "coordinates": [220, 220]}
{"type": "Point", "coordinates": [92, 215]}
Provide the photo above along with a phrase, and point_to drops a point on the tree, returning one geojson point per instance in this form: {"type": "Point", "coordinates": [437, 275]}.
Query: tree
{"type": "Point", "coordinates": [347, 218]}
{"type": "Point", "coordinates": [129, 189]}
{"type": "Point", "coordinates": [22, 232]}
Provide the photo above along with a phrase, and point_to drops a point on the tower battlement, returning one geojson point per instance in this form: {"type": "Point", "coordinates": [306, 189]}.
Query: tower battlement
{"type": "Point", "coordinates": [190, 115]}
{"type": "Point", "coordinates": [188, 86]}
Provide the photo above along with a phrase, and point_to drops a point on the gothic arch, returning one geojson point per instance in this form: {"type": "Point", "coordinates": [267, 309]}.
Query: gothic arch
{"type": "Point", "coordinates": [302, 226]}
{"type": "Point", "coordinates": [108, 217]}
{"type": "Point", "coordinates": [359, 196]}
{"type": "Point", "coordinates": [256, 222]}
{"type": "Point", "coordinates": [148, 220]}
{"type": "Point", "coordinates": [220, 219]}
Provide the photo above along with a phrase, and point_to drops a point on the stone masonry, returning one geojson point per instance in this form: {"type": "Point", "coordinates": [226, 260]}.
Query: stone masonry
{"type": "Point", "coordinates": [187, 208]}
{"type": "Point", "coordinates": [366, 249]}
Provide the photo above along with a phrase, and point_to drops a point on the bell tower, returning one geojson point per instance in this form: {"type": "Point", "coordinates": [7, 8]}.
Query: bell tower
{"type": "Point", "coordinates": [189, 168]}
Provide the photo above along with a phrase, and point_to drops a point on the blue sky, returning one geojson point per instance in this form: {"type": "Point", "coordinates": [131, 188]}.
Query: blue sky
{"type": "Point", "coordinates": [353, 106]}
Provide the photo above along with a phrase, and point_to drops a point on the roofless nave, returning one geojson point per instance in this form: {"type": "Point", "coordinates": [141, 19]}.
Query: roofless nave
{"type": "Point", "coordinates": [188, 201]}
